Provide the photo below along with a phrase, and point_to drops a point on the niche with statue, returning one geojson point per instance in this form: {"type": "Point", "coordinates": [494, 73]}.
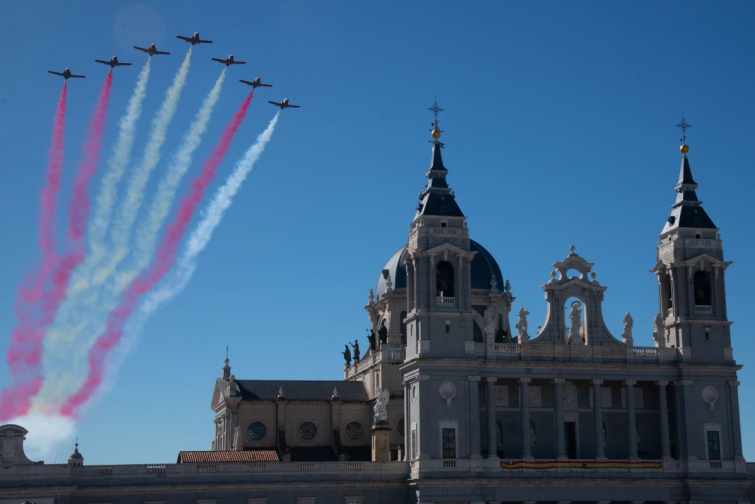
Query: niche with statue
{"type": "Point", "coordinates": [575, 314]}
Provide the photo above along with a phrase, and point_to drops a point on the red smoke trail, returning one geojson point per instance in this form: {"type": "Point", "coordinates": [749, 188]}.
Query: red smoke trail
{"type": "Point", "coordinates": [62, 266]}
{"type": "Point", "coordinates": [164, 259]}
{"type": "Point", "coordinates": [25, 348]}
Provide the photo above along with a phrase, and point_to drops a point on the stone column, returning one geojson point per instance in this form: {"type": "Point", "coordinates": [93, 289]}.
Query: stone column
{"type": "Point", "coordinates": [558, 407]}
{"type": "Point", "coordinates": [663, 409]}
{"type": "Point", "coordinates": [736, 428]}
{"type": "Point", "coordinates": [524, 387]}
{"type": "Point", "coordinates": [631, 420]}
{"type": "Point", "coordinates": [474, 417]}
{"type": "Point", "coordinates": [492, 452]}
{"type": "Point", "coordinates": [597, 407]}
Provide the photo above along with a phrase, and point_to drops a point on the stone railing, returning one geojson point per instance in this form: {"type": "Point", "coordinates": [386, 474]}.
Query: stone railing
{"type": "Point", "coordinates": [704, 309]}
{"type": "Point", "coordinates": [582, 353]}
{"type": "Point", "coordinates": [190, 472]}
{"type": "Point", "coordinates": [445, 300]}
{"type": "Point", "coordinates": [446, 231]}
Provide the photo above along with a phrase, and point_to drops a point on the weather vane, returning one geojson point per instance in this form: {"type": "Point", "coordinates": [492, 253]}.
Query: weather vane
{"type": "Point", "coordinates": [435, 109]}
{"type": "Point", "coordinates": [683, 126]}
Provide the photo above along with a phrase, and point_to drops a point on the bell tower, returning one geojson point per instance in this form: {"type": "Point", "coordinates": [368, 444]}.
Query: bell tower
{"type": "Point", "coordinates": [690, 269]}
{"type": "Point", "coordinates": [438, 267]}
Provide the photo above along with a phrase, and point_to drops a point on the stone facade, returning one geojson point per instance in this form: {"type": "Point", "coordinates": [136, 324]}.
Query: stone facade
{"type": "Point", "coordinates": [449, 402]}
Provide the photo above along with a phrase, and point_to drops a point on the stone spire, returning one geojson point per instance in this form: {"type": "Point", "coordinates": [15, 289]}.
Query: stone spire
{"type": "Point", "coordinates": [437, 199]}
{"type": "Point", "coordinates": [687, 209]}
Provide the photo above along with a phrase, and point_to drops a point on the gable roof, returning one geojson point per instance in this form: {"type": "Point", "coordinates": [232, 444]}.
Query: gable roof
{"type": "Point", "coordinates": [186, 457]}
{"type": "Point", "coordinates": [302, 390]}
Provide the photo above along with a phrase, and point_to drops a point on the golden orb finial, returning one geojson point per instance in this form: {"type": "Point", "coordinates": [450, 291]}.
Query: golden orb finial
{"type": "Point", "coordinates": [684, 148]}
{"type": "Point", "coordinates": [436, 133]}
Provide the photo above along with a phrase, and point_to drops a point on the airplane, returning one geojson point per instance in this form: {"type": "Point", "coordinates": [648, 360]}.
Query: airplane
{"type": "Point", "coordinates": [283, 104]}
{"type": "Point", "coordinates": [255, 83]}
{"type": "Point", "coordinates": [230, 61]}
{"type": "Point", "coordinates": [66, 74]}
{"type": "Point", "coordinates": [151, 51]}
{"type": "Point", "coordinates": [194, 39]}
{"type": "Point", "coordinates": [113, 62]}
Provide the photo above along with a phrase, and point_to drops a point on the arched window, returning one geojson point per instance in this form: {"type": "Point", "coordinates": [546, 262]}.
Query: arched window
{"type": "Point", "coordinates": [702, 288]}
{"type": "Point", "coordinates": [403, 329]}
{"type": "Point", "coordinates": [501, 335]}
{"type": "Point", "coordinates": [444, 278]}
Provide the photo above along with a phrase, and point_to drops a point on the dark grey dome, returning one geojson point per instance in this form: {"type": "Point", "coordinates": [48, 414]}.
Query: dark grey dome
{"type": "Point", "coordinates": [484, 266]}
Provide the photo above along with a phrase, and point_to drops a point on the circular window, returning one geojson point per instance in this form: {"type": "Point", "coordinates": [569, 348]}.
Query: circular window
{"type": "Point", "coordinates": [256, 431]}
{"type": "Point", "coordinates": [354, 431]}
{"type": "Point", "coordinates": [307, 431]}
{"type": "Point", "coordinates": [400, 427]}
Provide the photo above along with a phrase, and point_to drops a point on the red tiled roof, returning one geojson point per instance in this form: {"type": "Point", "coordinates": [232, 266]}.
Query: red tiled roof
{"type": "Point", "coordinates": [228, 456]}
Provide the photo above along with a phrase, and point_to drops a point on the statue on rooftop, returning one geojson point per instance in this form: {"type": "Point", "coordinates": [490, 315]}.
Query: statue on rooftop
{"type": "Point", "coordinates": [658, 330]}
{"type": "Point", "coordinates": [489, 328]}
{"type": "Point", "coordinates": [372, 340]}
{"type": "Point", "coordinates": [347, 355]}
{"type": "Point", "coordinates": [355, 346]}
{"type": "Point", "coordinates": [626, 336]}
{"type": "Point", "coordinates": [521, 326]}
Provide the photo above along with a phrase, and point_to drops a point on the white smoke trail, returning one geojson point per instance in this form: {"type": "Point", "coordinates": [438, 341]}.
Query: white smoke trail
{"type": "Point", "coordinates": [146, 237]}
{"type": "Point", "coordinates": [48, 435]}
{"type": "Point", "coordinates": [121, 228]}
{"type": "Point", "coordinates": [116, 168]}
{"type": "Point", "coordinates": [180, 275]}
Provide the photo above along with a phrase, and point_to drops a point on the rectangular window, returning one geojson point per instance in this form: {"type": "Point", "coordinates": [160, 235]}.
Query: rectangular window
{"type": "Point", "coordinates": [714, 445]}
{"type": "Point", "coordinates": [413, 455]}
{"type": "Point", "coordinates": [449, 443]}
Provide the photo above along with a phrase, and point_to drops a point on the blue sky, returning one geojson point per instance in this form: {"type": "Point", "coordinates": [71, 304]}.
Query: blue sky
{"type": "Point", "coordinates": [559, 130]}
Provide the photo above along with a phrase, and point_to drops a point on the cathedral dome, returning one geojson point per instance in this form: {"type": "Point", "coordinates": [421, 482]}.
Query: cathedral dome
{"type": "Point", "coordinates": [484, 267]}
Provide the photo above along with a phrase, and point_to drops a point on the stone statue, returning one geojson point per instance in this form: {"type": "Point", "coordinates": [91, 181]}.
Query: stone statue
{"type": "Point", "coordinates": [489, 324]}
{"type": "Point", "coordinates": [347, 355]}
{"type": "Point", "coordinates": [371, 339]}
{"type": "Point", "coordinates": [575, 316]}
{"type": "Point", "coordinates": [381, 401]}
{"type": "Point", "coordinates": [626, 336]}
{"type": "Point", "coordinates": [521, 326]}
{"type": "Point", "coordinates": [355, 346]}
{"type": "Point", "coordinates": [658, 330]}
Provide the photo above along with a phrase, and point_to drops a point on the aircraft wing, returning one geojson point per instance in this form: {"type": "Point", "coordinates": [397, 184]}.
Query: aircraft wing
{"type": "Point", "coordinates": [238, 62]}
{"type": "Point", "coordinates": [56, 73]}
{"type": "Point", "coordinates": [294, 106]}
{"type": "Point", "coordinates": [218, 59]}
{"type": "Point", "coordinates": [159, 52]}
{"type": "Point", "coordinates": [123, 64]}
{"type": "Point", "coordinates": [204, 41]}
{"type": "Point", "coordinates": [141, 49]}
{"type": "Point", "coordinates": [274, 103]}
{"type": "Point", "coordinates": [77, 76]}
{"type": "Point", "coordinates": [265, 85]}
{"type": "Point", "coordinates": [187, 39]}
{"type": "Point", "coordinates": [103, 62]}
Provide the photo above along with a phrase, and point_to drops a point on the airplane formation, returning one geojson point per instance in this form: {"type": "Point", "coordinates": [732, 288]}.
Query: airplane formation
{"type": "Point", "coordinates": [193, 40]}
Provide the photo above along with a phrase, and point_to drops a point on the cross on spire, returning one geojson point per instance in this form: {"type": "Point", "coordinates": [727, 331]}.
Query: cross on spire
{"type": "Point", "coordinates": [684, 126]}
{"type": "Point", "coordinates": [435, 109]}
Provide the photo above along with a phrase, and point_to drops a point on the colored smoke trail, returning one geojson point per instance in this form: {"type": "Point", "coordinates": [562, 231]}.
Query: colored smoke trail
{"type": "Point", "coordinates": [165, 257]}
{"type": "Point", "coordinates": [181, 274]}
{"type": "Point", "coordinates": [146, 237]}
{"type": "Point", "coordinates": [25, 350]}
{"type": "Point", "coordinates": [116, 167]}
{"type": "Point", "coordinates": [79, 299]}
{"type": "Point", "coordinates": [121, 227]}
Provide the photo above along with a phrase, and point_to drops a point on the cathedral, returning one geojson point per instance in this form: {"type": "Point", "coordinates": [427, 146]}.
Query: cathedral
{"type": "Point", "coordinates": [448, 402]}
